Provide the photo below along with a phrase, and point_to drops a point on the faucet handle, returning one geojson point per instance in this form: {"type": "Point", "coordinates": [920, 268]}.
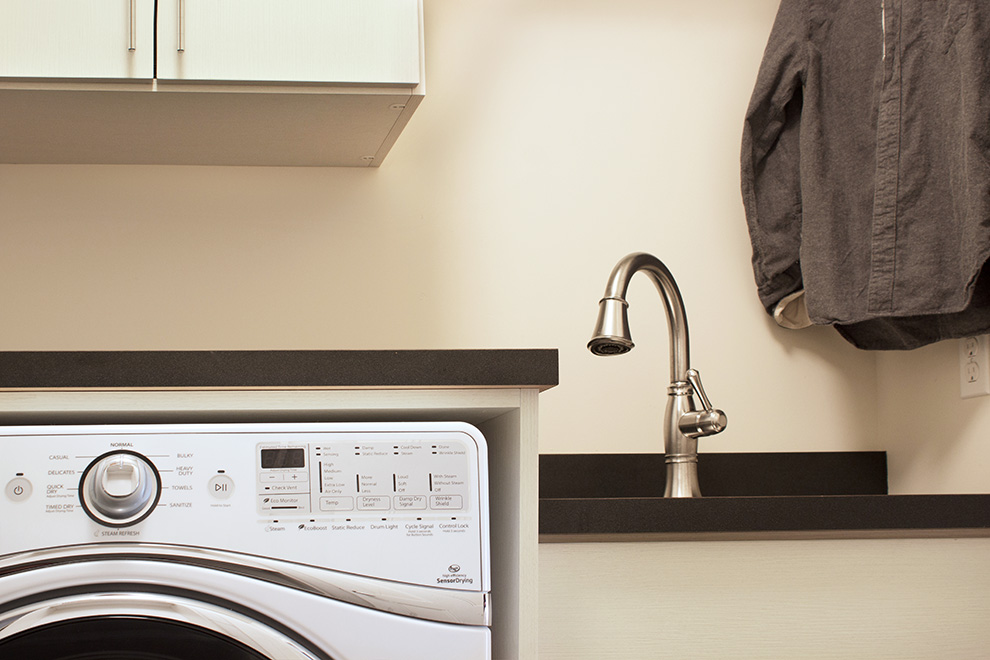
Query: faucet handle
{"type": "Point", "coordinates": [699, 423]}
{"type": "Point", "coordinates": [694, 378]}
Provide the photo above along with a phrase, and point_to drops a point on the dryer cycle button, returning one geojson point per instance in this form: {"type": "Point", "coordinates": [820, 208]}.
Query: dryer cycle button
{"type": "Point", "coordinates": [413, 502]}
{"type": "Point", "coordinates": [373, 503]}
{"type": "Point", "coordinates": [221, 487]}
{"type": "Point", "coordinates": [18, 489]}
{"type": "Point", "coordinates": [336, 504]}
{"type": "Point", "coordinates": [446, 502]}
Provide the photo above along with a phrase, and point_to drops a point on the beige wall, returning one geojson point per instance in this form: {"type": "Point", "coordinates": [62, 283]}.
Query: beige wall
{"type": "Point", "coordinates": [938, 442]}
{"type": "Point", "coordinates": [556, 136]}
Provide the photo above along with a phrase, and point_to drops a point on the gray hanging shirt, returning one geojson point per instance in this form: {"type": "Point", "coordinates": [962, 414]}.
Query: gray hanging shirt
{"type": "Point", "coordinates": [866, 167]}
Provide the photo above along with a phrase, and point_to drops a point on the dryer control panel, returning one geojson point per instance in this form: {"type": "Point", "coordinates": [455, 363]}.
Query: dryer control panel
{"type": "Point", "coordinates": [400, 501]}
{"type": "Point", "coordinates": [406, 477]}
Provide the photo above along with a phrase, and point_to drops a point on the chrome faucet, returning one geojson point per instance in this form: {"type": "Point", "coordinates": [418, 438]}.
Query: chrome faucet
{"type": "Point", "coordinates": [683, 422]}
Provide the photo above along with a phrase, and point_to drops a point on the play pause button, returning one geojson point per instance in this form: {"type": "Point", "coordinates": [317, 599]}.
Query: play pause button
{"type": "Point", "coordinates": [221, 486]}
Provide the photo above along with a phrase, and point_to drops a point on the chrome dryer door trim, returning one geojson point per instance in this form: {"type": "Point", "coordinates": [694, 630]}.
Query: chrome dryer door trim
{"type": "Point", "coordinates": [220, 621]}
{"type": "Point", "coordinates": [412, 600]}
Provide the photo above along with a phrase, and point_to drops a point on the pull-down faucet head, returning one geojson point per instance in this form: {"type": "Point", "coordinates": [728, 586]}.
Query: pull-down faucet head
{"type": "Point", "coordinates": [611, 335]}
{"type": "Point", "coordinates": [684, 423]}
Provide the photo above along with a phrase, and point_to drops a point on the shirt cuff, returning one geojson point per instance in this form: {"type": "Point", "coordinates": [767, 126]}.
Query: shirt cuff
{"type": "Point", "coordinates": [792, 312]}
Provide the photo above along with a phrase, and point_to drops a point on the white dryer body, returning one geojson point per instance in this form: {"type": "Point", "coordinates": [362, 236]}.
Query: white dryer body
{"type": "Point", "coordinates": [271, 541]}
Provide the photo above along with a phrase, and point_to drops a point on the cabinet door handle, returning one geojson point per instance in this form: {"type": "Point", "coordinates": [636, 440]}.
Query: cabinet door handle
{"type": "Point", "coordinates": [182, 26]}
{"type": "Point", "coordinates": [132, 35]}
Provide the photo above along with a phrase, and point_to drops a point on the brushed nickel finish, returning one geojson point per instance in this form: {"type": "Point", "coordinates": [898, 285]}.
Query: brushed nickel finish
{"type": "Point", "coordinates": [684, 422]}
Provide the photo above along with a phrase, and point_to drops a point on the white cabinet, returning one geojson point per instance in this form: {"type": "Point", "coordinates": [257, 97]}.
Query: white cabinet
{"type": "Point", "coordinates": [328, 41]}
{"type": "Point", "coordinates": [235, 82]}
{"type": "Point", "coordinates": [92, 39]}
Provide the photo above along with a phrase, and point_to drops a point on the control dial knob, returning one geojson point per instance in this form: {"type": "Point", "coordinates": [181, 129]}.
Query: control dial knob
{"type": "Point", "coordinates": [120, 488]}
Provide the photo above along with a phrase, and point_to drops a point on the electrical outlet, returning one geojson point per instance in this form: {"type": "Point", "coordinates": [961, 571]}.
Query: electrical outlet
{"type": "Point", "coordinates": [974, 366]}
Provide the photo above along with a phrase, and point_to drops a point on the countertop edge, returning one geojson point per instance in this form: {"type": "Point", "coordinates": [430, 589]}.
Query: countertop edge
{"type": "Point", "coordinates": [725, 518]}
{"type": "Point", "coordinates": [811, 535]}
{"type": "Point", "coordinates": [278, 369]}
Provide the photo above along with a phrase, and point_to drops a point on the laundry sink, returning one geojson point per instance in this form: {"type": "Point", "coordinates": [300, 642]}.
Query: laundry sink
{"type": "Point", "coordinates": [596, 497]}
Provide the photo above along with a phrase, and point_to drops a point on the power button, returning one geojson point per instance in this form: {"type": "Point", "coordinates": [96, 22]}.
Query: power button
{"type": "Point", "coordinates": [18, 489]}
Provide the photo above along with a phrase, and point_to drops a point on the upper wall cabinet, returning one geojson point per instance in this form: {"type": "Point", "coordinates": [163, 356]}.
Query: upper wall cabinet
{"type": "Point", "coordinates": [231, 82]}
{"type": "Point", "coordinates": [327, 41]}
{"type": "Point", "coordinates": [77, 39]}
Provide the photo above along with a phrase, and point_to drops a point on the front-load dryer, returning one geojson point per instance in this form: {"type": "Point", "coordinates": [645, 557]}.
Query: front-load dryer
{"type": "Point", "coordinates": [289, 541]}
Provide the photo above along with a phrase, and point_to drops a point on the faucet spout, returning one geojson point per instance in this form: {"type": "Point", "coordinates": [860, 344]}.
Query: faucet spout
{"type": "Point", "coordinates": [684, 423]}
{"type": "Point", "coordinates": [615, 294]}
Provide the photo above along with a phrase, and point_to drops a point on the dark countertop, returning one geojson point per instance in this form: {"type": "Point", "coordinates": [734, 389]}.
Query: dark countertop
{"type": "Point", "coordinates": [618, 497]}
{"type": "Point", "coordinates": [524, 368]}
{"type": "Point", "coordinates": [826, 516]}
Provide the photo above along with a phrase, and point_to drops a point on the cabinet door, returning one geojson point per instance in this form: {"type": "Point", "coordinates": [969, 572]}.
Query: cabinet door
{"type": "Point", "coordinates": [322, 41]}
{"type": "Point", "coordinates": [104, 39]}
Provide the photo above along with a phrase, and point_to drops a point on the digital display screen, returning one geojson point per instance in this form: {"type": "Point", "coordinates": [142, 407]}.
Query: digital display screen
{"type": "Point", "coordinates": [283, 457]}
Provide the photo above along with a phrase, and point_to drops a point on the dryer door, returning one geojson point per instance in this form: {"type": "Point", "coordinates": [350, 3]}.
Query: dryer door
{"type": "Point", "coordinates": [140, 626]}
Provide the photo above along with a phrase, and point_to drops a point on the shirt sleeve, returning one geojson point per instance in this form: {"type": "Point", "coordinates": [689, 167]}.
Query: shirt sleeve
{"type": "Point", "coordinates": [771, 156]}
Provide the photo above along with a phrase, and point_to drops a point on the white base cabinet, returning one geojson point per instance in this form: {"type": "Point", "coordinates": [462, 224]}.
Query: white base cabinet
{"type": "Point", "coordinates": [824, 599]}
